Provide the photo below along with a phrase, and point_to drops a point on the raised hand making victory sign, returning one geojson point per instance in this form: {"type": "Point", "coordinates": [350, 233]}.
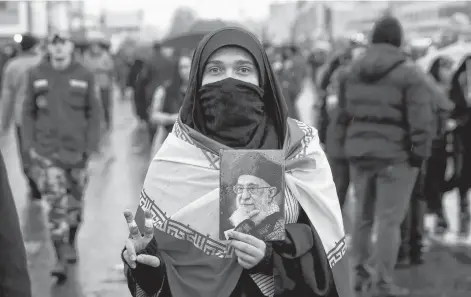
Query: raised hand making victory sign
{"type": "Point", "coordinates": [137, 242]}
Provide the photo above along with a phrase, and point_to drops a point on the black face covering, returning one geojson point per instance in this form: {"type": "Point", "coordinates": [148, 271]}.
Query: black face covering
{"type": "Point", "coordinates": [234, 112]}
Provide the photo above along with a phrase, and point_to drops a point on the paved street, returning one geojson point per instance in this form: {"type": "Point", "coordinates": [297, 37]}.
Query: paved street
{"type": "Point", "coordinates": [115, 185]}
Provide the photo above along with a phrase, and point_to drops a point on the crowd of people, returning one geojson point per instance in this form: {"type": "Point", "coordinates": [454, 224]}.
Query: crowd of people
{"type": "Point", "coordinates": [383, 129]}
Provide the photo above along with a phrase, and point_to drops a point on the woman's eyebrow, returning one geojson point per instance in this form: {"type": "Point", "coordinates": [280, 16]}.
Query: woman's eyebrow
{"type": "Point", "coordinates": [217, 62]}
{"type": "Point", "coordinates": [238, 62]}
{"type": "Point", "coordinates": [243, 61]}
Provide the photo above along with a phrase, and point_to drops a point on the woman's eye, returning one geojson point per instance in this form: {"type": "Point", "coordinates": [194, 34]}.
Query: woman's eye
{"type": "Point", "coordinates": [245, 70]}
{"type": "Point", "coordinates": [214, 70]}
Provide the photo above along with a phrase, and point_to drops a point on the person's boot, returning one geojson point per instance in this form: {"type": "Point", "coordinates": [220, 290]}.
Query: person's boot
{"type": "Point", "coordinates": [441, 224]}
{"type": "Point", "coordinates": [403, 262]}
{"type": "Point", "coordinates": [363, 279]}
{"type": "Point", "coordinates": [403, 259]}
{"type": "Point", "coordinates": [34, 194]}
{"type": "Point", "coordinates": [417, 252]}
{"type": "Point", "coordinates": [416, 257]}
{"type": "Point", "coordinates": [465, 222]}
{"type": "Point", "coordinates": [71, 253]}
{"type": "Point", "coordinates": [34, 198]}
{"type": "Point", "coordinates": [60, 269]}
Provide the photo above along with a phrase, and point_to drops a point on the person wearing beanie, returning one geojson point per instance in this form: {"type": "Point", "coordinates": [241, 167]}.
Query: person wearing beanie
{"type": "Point", "coordinates": [12, 98]}
{"type": "Point", "coordinates": [27, 42]}
{"type": "Point", "coordinates": [387, 129]}
{"type": "Point", "coordinates": [387, 30]}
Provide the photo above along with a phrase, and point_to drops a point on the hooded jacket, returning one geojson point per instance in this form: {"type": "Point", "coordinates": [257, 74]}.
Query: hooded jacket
{"type": "Point", "coordinates": [389, 111]}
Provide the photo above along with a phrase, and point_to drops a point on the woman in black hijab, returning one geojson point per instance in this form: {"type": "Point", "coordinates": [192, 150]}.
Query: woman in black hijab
{"type": "Point", "coordinates": [234, 101]}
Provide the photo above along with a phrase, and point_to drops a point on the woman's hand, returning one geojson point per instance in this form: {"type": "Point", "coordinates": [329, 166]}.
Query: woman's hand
{"type": "Point", "coordinates": [249, 249]}
{"type": "Point", "coordinates": [138, 243]}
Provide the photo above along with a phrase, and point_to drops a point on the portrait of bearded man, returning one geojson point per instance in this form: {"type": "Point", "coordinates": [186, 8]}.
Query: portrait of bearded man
{"type": "Point", "coordinates": [258, 189]}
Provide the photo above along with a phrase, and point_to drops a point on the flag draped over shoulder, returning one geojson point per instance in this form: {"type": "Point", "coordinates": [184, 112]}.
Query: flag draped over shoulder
{"type": "Point", "coordinates": [182, 190]}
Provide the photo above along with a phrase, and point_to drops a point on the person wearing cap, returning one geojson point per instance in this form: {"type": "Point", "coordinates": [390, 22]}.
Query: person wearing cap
{"type": "Point", "coordinates": [61, 119]}
{"type": "Point", "coordinates": [387, 122]}
{"type": "Point", "coordinates": [256, 190]}
{"type": "Point", "coordinates": [12, 97]}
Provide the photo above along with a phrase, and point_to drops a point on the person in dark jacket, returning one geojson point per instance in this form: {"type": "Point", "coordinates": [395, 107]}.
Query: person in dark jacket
{"type": "Point", "coordinates": [61, 120]}
{"type": "Point", "coordinates": [460, 95]}
{"type": "Point", "coordinates": [159, 70]}
{"type": "Point", "coordinates": [437, 163]}
{"type": "Point", "coordinates": [133, 82]}
{"type": "Point", "coordinates": [334, 146]}
{"type": "Point", "coordinates": [153, 72]}
{"type": "Point", "coordinates": [388, 123]}
{"type": "Point", "coordinates": [14, 277]}
{"type": "Point", "coordinates": [168, 98]}
{"type": "Point", "coordinates": [323, 86]}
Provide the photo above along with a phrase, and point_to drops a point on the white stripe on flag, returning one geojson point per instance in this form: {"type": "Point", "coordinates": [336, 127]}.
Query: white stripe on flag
{"type": "Point", "coordinates": [265, 283]}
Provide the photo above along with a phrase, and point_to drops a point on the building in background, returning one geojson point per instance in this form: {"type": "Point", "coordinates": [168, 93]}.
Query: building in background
{"type": "Point", "coordinates": [341, 15]}
{"type": "Point", "coordinates": [280, 21]}
{"type": "Point", "coordinates": [113, 22]}
{"type": "Point", "coordinates": [299, 22]}
{"type": "Point", "coordinates": [428, 18]}
{"type": "Point", "coordinates": [363, 15]}
{"type": "Point", "coordinates": [15, 17]}
{"type": "Point", "coordinates": [40, 17]}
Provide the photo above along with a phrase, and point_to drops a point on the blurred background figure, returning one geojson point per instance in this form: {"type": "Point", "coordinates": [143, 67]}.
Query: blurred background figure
{"type": "Point", "coordinates": [167, 101]}
{"type": "Point", "coordinates": [13, 92]}
{"type": "Point", "coordinates": [385, 149]}
{"type": "Point", "coordinates": [123, 61]}
{"type": "Point", "coordinates": [292, 76]}
{"type": "Point", "coordinates": [327, 80]}
{"type": "Point", "coordinates": [59, 134]}
{"type": "Point", "coordinates": [99, 61]}
{"type": "Point", "coordinates": [8, 52]}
